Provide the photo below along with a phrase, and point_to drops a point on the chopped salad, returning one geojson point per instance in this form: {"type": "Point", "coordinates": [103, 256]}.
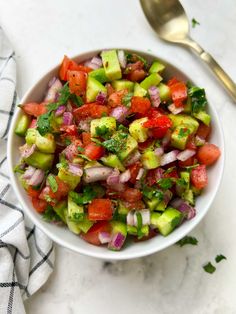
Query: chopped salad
{"type": "Point", "coordinates": [113, 151]}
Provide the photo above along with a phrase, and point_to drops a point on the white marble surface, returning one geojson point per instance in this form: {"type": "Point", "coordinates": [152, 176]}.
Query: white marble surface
{"type": "Point", "coordinates": [171, 281]}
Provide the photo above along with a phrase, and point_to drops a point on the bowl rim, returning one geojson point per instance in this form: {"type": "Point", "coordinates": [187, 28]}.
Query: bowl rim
{"type": "Point", "coordinates": [118, 255]}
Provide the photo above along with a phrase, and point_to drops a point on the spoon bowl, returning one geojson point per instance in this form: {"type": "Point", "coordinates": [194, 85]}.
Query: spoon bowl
{"type": "Point", "coordinates": [169, 20]}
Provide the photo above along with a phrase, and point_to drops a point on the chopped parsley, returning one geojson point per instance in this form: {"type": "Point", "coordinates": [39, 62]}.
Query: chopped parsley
{"type": "Point", "coordinates": [209, 268]}
{"type": "Point", "coordinates": [116, 143]}
{"type": "Point", "coordinates": [67, 141]}
{"type": "Point", "coordinates": [83, 198]}
{"type": "Point", "coordinates": [77, 100]}
{"type": "Point", "coordinates": [219, 258]}
{"type": "Point", "coordinates": [165, 183]}
{"type": "Point", "coordinates": [103, 131]}
{"type": "Point", "coordinates": [50, 214]}
{"type": "Point", "coordinates": [183, 132]}
{"type": "Point", "coordinates": [80, 149]}
{"type": "Point", "coordinates": [44, 123]}
{"type": "Point", "coordinates": [194, 22]}
{"type": "Point", "coordinates": [198, 98]}
{"type": "Point", "coordinates": [123, 128]}
{"type": "Point", "coordinates": [53, 183]}
{"type": "Point", "coordinates": [187, 240]}
{"type": "Point", "coordinates": [150, 193]}
{"type": "Point", "coordinates": [126, 99]}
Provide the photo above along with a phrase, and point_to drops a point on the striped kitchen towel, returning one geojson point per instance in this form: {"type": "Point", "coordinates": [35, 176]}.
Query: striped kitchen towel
{"type": "Point", "coordinates": [26, 253]}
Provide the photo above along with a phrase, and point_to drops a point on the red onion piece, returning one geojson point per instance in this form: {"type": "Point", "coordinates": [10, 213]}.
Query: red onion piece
{"type": "Point", "coordinates": [122, 58]}
{"type": "Point", "coordinates": [54, 87]}
{"type": "Point", "coordinates": [159, 151]}
{"type": "Point", "coordinates": [154, 96]}
{"type": "Point", "coordinates": [166, 139]}
{"type": "Point", "coordinates": [186, 154]}
{"type": "Point", "coordinates": [75, 169]}
{"type": "Point", "coordinates": [95, 63]}
{"type": "Point", "coordinates": [174, 109]}
{"type": "Point", "coordinates": [133, 158]}
{"type": "Point", "coordinates": [114, 177]}
{"type": "Point", "coordinates": [37, 177]}
{"type": "Point", "coordinates": [70, 152]}
{"type": "Point", "coordinates": [101, 98]}
{"type": "Point", "coordinates": [117, 241]}
{"type": "Point", "coordinates": [60, 110]}
{"type": "Point", "coordinates": [130, 218]}
{"type": "Point", "coordinates": [27, 150]}
{"type": "Point", "coordinates": [28, 173]}
{"type": "Point", "coordinates": [67, 118]}
{"type": "Point", "coordinates": [169, 157]}
{"type": "Point", "coordinates": [145, 213]}
{"type": "Point", "coordinates": [199, 141]}
{"type": "Point", "coordinates": [85, 125]}
{"type": "Point", "coordinates": [125, 176]}
{"type": "Point", "coordinates": [119, 113]}
{"type": "Point", "coordinates": [104, 237]}
{"type": "Point", "coordinates": [159, 173]}
{"type": "Point", "coordinates": [94, 174]}
{"type": "Point", "coordinates": [140, 174]}
{"type": "Point", "coordinates": [188, 211]}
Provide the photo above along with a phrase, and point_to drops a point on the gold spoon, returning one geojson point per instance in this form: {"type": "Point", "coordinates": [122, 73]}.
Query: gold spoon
{"type": "Point", "coordinates": [170, 22]}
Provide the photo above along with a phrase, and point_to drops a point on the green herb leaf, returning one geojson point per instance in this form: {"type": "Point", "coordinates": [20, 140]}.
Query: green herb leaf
{"type": "Point", "coordinates": [53, 183]}
{"type": "Point", "coordinates": [77, 100]}
{"type": "Point", "coordinates": [116, 143]}
{"type": "Point", "coordinates": [103, 131]}
{"type": "Point", "coordinates": [84, 157]}
{"type": "Point", "coordinates": [165, 183]}
{"type": "Point", "coordinates": [18, 169]}
{"type": "Point", "coordinates": [67, 141]}
{"type": "Point", "coordinates": [80, 149]}
{"type": "Point", "coordinates": [150, 193]}
{"type": "Point", "coordinates": [183, 132]}
{"type": "Point", "coordinates": [83, 198]}
{"type": "Point", "coordinates": [64, 95]}
{"type": "Point", "coordinates": [50, 214]}
{"type": "Point", "coordinates": [198, 98]}
{"type": "Point", "coordinates": [209, 268]}
{"type": "Point", "coordinates": [126, 99]}
{"type": "Point", "coordinates": [194, 22]}
{"type": "Point", "coordinates": [187, 240]}
{"type": "Point", "coordinates": [44, 123]}
{"type": "Point", "coordinates": [219, 258]}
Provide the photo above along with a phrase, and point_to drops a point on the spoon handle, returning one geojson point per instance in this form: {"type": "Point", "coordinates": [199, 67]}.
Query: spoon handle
{"type": "Point", "coordinates": [227, 82]}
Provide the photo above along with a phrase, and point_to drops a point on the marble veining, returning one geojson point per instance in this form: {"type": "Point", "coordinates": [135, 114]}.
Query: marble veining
{"type": "Point", "coordinates": [171, 281]}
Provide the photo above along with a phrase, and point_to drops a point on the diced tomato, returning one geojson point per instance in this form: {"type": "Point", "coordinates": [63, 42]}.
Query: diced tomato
{"type": "Point", "coordinates": [186, 163]}
{"type": "Point", "coordinates": [178, 92]}
{"type": "Point", "coordinates": [115, 99]}
{"type": "Point", "coordinates": [172, 81]}
{"type": "Point", "coordinates": [140, 104]}
{"type": "Point", "coordinates": [93, 110]}
{"type": "Point", "coordinates": [159, 122]}
{"type": "Point", "coordinates": [199, 177]}
{"type": "Point", "coordinates": [86, 138]}
{"type": "Point", "coordinates": [69, 129]}
{"type": "Point", "coordinates": [134, 169]}
{"type": "Point", "coordinates": [131, 67]}
{"type": "Point", "coordinates": [92, 236]}
{"type": "Point", "coordinates": [159, 126]}
{"type": "Point", "coordinates": [146, 144]}
{"type": "Point", "coordinates": [33, 124]}
{"type": "Point", "coordinates": [191, 143]}
{"type": "Point", "coordinates": [39, 205]}
{"type": "Point", "coordinates": [100, 209]}
{"type": "Point", "coordinates": [32, 192]}
{"type": "Point", "coordinates": [131, 195]}
{"type": "Point", "coordinates": [172, 174]}
{"type": "Point", "coordinates": [62, 191]}
{"type": "Point", "coordinates": [34, 109]}
{"type": "Point", "coordinates": [110, 89]}
{"type": "Point", "coordinates": [151, 177]}
{"type": "Point", "coordinates": [68, 64]}
{"type": "Point", "coordinates": [208, 154]}
{"type": "Point", "coordinates": [93, 151]}
{"type": "Point", "coordinates": [203, 131]}
{"type": "Point", "coordinates": [137, 75]}
{"type": "Point", "coordinates": [134, 205]}
{"type": "Point", "coordinates": [154, 113]}
{"type": "Point", "coordinates": [77, 82]}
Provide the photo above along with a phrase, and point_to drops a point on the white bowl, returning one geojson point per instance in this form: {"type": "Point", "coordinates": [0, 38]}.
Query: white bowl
{"type": "Point", "coordinates": [69, 240]}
